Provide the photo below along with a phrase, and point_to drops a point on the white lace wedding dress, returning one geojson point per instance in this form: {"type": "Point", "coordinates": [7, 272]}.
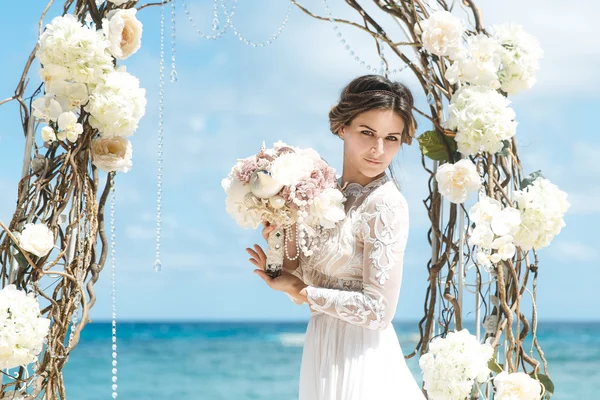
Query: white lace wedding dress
{"type": "Point", "coordinates": [351, 351]}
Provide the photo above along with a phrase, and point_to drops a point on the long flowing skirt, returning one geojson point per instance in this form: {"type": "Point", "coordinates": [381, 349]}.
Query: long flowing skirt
{"type": "Point", "coordinates": [341, 361]}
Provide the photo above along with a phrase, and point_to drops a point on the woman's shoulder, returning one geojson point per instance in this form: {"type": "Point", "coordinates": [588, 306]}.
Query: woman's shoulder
{"type": "Point", "coordinates": [386, 195]}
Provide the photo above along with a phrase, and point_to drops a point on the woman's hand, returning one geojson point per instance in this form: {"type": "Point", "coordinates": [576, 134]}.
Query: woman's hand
{"type": "Point", "coordinates": [285, 282]}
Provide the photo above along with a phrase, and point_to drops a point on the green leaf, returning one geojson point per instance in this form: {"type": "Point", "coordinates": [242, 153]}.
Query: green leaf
{"type": "Point", "coordinates": [434, 145]}
{"type": "Point", "coordinates": [528, 180]}
{"type": "Point", "coordinates": [544, 380]}
{"type": "Point", "coordinates": [494, 366]}
{"type": "Point", "coordinates": [505, 147]}
{"type": "Point", "coordinates": [23, 264]}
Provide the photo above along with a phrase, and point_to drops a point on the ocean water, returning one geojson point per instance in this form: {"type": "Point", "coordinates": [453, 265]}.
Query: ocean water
{"type": "Point", "coordinates": [243, 361]}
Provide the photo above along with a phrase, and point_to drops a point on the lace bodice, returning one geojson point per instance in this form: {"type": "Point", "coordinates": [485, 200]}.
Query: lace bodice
{"type": "Point", "coordinates": [357, 274]}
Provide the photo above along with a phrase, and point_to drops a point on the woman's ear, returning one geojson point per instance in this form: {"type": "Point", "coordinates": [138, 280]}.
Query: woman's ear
{"type": "Point", "coordinates": [341, 133]}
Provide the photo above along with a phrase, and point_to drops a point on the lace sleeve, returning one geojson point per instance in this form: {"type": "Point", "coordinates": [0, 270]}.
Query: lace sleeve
{"type": "Point", "coordinates": [384, 232]}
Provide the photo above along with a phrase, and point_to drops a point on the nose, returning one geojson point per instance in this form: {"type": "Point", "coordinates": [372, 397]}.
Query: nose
{"type": "Point", "coordinates": [377, 150]}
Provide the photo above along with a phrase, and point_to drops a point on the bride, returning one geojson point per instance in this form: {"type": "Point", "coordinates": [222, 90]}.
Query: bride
{"type": "Point", "coordinates": [352, 284]}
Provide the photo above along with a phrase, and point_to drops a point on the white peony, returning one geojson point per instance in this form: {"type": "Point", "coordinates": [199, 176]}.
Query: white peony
{"type": "Point", "coordinates": [117, 104]}
{"type": "Point", "coordinates": [235, 203]}
{"type": "Point", "coordinates": [124, 31]}
{"type": "Point", "coordinates": [481, 118]}
{"type": "Point", "coordinates": [69, 50]}
{"type": "Point", "coordinates": [516, 386]}
{"type": "Point", "coordinates": [542, 205]}
{"type": "Point", "coordinates": [457, 180]}
{"type": "Point", "coordinates": [36, 239]}
{"type": "Point", "coordinates": [520, 54]}
{"type": "Point", "coordinates": [479, 64]}
{"type": "Point", "coordinates": [22, 329]}
{"type": "Point", "coordinates": [48, 134]}
{"type": "Point", "coordinates": [46, 108]}
{"type": "Point", "coordinates": [112, 154]}
{"type": "Point", "coordinates": [291, 168]}
{"type": "Point", "coordinates": [442, 34]}
{"type": "Point", "coordinates": [69, 127]}
{"type": "Point", "coordinates": [327, 208]}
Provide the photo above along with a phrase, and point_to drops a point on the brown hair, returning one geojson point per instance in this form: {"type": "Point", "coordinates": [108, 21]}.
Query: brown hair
{"type": "Point", "coordinates": [371, 92]}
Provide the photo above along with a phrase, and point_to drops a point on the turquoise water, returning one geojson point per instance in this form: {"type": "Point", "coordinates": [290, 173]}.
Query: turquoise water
{"type": "Point", "coordinates": [242, 361]}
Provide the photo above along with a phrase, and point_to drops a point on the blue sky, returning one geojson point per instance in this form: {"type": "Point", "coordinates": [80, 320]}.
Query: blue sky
{"type": "Point", "coordinates": [230, 97]}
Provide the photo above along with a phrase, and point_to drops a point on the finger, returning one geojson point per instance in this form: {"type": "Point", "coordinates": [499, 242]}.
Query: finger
{"type": "Point", "coordinates": [252, 253]}
{"type": "Point", "coordinates": [260, 252]}
{"type": "Point", "coordinates": [256, 263]}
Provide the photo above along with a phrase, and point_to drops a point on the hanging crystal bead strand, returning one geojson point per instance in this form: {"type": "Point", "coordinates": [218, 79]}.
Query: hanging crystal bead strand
{"type": "Point", "coordinates": [173, 49]}
{"type": "Point", "coordinates": [114, 286]}
{"type": "Point", "coordinates": [250, 42]}
{"type": "Point", "coordinates": [358, 59]}
{"type": "Point", "coordinates": [161, 98]}
{"type": "Point", "coordinates": [215, 24]}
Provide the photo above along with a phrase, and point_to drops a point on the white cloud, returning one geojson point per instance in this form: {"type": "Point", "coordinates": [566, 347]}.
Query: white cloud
{"type": "Point", "coordinates": [574, 251]}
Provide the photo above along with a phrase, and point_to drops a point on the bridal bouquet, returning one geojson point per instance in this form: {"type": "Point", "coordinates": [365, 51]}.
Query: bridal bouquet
{"type": "Point", "coordinates": [285, 185]}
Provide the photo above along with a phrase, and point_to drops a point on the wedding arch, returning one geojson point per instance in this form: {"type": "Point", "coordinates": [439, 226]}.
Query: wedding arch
{"type": "Point", "coordinates": [88, 104]}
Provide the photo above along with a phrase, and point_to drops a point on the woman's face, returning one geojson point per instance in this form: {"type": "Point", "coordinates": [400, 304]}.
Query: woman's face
{"type": "Point", "coordinates": [370, 143]}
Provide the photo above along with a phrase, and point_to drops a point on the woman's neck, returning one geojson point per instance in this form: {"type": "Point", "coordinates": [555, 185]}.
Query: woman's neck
{"type": "Point", "coordinates": [357, 177]}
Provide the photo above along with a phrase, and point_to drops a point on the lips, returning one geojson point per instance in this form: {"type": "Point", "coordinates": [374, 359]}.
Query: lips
{"type": "Point", "coordinates": [373, 162]}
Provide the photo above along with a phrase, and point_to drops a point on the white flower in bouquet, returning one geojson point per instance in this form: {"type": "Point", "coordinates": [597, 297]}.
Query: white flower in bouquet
{"type": "Point", "coordinates": [543, 206]}
{"type": "Point", "coordinates": [81, 51]}
{"type": "Point", "coordinates": [22, 329]}
{"type": "Point", "coordinates": [46, 108]}
{"type": "Point", "coordinates": [124, 31]}
{"type": "Point", "coordinates": [453, 364]}
{"type": "Point", "coordinates": [327, 208]}
{"type": "Point", "coordinates": [112, 154]}
{"type": "Point", "coordinates": [69, 127]}
{"type": "Point", "coordinates": [235, 203]}
{"type": "Point", "coordinates": [479, 64]}
{"type": "Point", "coordinates": [117, 104]}
{"type": "Point", "coordinates": [70, 96]}
{"type": "Point", "coordinates": [48, 134]}
{"type": "Point", "coordinates": [36, 239]}
{"type": "Point", "coordinates": [441, 34]}
{"type": "Point", "coordinates": [520, 54]}
{"type": "Point", "coordinates": [457, 180]}
{"type": "Point", "coordinates": [291, 168]}
{"type": "Point", "coordinates": [516, 386]}
{"type": "Point", "coordinates": [481, 118]}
